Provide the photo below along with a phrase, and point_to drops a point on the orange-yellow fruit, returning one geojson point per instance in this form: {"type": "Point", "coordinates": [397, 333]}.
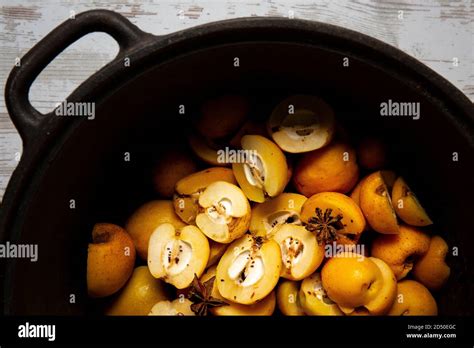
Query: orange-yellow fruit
{"type": "Point", "coordinates": [177, 255]}
{"type": "Point", "coordinates": [110, 260]}
{"type": "Point", "coordinates": [300, 251]}
{"type": "Point", "coordinates": [267, 217]}
{"type": "Point", "coordinates": [141, 224]}
{"type": "Point", "coordinates": [314, 299]}
{"type": "Point", "coordinates": [172, 166]}
{"type": "Point", "coordinates": [431, 269]}
{"type": "Point", "coordinates": [190, 188]}
{"type": "Point", "coordinates": [324, 206]}
{"type": "Point", "coordinates": [265, 173]}
{"type": "Point", "coordinates": [401, 251]}
{"type": "Point", "coordinates": [224, 212]}
{"type": "Point", "coordinates": [178, 307]}
{"type": "Point", "coordinates": [331, 168]}
{"type": "Point", "coordinates": [206, 150]}
{"type": "Point", "coordinates": [222, 116]}
{"type": "Point", "coordinates": [389, 179]}
{"type": "Point", "coordinates": [216, 251]}
{"type": "Point", "coordinates": [407, 206]}
{"type": "Point", "coordinates": [139, 295]}
{"type": "Point", "coordinates": [265, 306]}
{"type": "Point", "coordinates": [287, 298]}
{"type": "Point", "coordinates": [413, 299]}
{"type": "Point", "coordinates": [355, 194]}
{"type": "Point", "coordinates": [249, 269]}
{"type": "Point", "coordinates": [375, 202]}
{"type": "Point", "coordinates": [301, 123]}
{"type": "Point", "coordinates": [354, 281]}
{"type": "Point", "coordinates": [371, 153]}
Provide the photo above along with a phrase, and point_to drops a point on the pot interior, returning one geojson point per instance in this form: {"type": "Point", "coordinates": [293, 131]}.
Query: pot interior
{"type": "Point", "coordinates": [141, 117]}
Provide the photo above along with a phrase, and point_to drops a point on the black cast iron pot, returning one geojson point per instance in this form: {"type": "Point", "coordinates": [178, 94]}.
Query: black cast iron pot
{"type": "Point", "coordinates": [68, 158]}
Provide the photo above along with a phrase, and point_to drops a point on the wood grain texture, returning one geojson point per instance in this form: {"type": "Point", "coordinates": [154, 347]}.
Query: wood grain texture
{"type": "Point", "coordinates": [437, 32]}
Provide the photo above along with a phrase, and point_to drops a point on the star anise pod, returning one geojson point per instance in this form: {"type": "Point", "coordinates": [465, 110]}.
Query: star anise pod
{"type": "Point", "coordinates": [200, 296]}
{"type": "Point", "coordinates": [325, 225]}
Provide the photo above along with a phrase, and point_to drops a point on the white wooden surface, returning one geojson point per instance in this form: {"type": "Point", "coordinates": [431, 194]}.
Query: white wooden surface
{"type": "Point", "coordinates": [437, 32]}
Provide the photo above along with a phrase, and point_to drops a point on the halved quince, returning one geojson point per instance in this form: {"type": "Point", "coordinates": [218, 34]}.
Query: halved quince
{"type": "Point", "coordinates": [224, 212]}
{"type": "Point", "coordinates": [266, 306]}
{"type": "Point", "coordinates": [189, 189]}
{"type": "Point", "coordinates": [333, 217]}
{"type": "Point", "coordinates": [265, 171]}
{"type": "Point", "coordinates": [287, 298]}
{"type": "Point", "coordinates": [249, 269]}
{"type": "Point", "coordinates": [180, 307]}
{"type": "Point", "coordinates": [217, 250]}
{"type": "Point", "coordinates": [175, 255]}
{"type": "Point", "coordinates": [407, 206]}
{"type": "Point", "coordinates": [301, 254]}
{"type": "Point", "coordinates": [310, 126]}
{"type": "Point", "coordinates": [314, 299]}
{"type": "Point", "coordinates": [283, 209]}
{"type": "Point", "coordinates": [141, 224]}
{"type": "Point", "coordinates": [376, 203]}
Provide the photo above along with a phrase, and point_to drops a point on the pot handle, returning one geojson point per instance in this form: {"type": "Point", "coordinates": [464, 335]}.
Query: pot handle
{"type": "Point", "coordinates": [25, 117]}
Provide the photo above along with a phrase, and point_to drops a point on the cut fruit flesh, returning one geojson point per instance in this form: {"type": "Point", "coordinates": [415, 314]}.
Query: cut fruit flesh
{"type": "Point", "coordinates": [225, 212]}
{"type": "Point", "coordinates": [265, 172]}
{"type": "Point", "coordinates": [310, 127]}
{"type": "Point", "coordinates": [178, 307]}
{"type": "Point", "coordinates": [176, 255]}
{"type": "Point", "coordinates": [190, 188]}
{"type": "Point", "coordinates": [301, 254]}
{"type": "Point", "coordinates": [283, 209]}
{"type": "Point", "coordinates": [244, 275]}
{"type": "Point", "coordinates": [249, 269]}
{"type": "Point", "coordinates": [266, 306]}
{"type": "Point", "coordinates": [144, 220]}
{"type": "Point", "coordinates": [314, 299]}
{"type": "Point", "coordinates": [224, 200]}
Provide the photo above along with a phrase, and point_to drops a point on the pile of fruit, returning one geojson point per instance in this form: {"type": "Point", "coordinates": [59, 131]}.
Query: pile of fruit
{"type": "Point", "coordinates": [253, 234]}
